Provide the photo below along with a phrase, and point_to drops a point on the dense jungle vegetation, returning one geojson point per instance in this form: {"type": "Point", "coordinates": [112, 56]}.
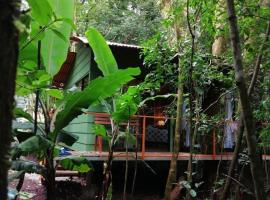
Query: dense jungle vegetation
{"type": "Point", "coordinates": [200, 52]}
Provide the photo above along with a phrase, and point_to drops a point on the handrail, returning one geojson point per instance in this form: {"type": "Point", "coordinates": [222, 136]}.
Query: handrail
{"type": "Point", "coordinates": [143, 131]}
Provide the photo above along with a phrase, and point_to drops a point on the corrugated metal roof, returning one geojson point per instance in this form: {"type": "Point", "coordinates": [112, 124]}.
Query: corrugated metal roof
{"type": "Point", "coordinates": [85, 41]}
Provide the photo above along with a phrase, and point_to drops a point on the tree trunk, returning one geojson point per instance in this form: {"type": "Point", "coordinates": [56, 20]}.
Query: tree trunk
{"type": "Point", "coordinates": [219, 44]}
{"type": "Point", "coordinates": [240, 131]}
{"type": "Point", "coordinates": [9, 12]}
{"type": "Point", "coordinates": [175, 37]}
{"type": "Point", "coordinates": [256, 166]}
{"type": "Point", "coordinates": [176, 144]}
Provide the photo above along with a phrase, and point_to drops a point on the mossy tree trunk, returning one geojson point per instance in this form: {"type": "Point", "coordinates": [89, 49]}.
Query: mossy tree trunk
{"type": "Point", "coordinates": [9, 13]}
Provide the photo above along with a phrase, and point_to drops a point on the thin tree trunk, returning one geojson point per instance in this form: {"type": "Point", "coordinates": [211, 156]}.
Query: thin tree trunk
{"type": "Point", "coordinates": [9, 12]}
{"type": "Point", "coordinates": [176, 142]}
{"type": "Point", "coordinates": [191, 96]}
{"type": "Point", "coordinates": [176, 145]}
{"type": "Point", "coordinates": [219, 44]}
{"type": "Point", "coordinates": [256, 165]}
{"type": "Point", "coordinates": [240, 131]}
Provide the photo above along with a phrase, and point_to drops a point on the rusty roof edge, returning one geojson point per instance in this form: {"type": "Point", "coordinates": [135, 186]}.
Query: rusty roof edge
{"type": "Point", "coordinates": [85, 41]}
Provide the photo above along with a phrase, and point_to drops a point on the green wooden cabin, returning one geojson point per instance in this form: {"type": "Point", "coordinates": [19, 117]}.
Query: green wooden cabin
{"type": "Point", "coordinates": [79, 69]}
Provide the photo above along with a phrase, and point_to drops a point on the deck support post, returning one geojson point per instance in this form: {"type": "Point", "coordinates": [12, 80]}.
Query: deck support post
{"type": "Point", "coordinates": [143, 137]}
{"type": "Point", "coordinates": [214, 145]}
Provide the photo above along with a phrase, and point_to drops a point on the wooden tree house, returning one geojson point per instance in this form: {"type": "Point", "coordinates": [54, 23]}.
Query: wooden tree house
{"type": "Point", "coordinates": [153, 130]}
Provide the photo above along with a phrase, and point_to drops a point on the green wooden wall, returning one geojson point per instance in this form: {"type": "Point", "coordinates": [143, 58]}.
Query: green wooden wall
{"type": "Point", "coordinates": [82, 65]}
{"type": "Point", "coordinates": [82, 125]}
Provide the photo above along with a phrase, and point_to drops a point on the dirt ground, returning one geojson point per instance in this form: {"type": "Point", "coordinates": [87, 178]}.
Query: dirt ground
{"type": "Point", "coordinates": [32, 185]}
{"type": "Point", "coordinates": [66, 190]}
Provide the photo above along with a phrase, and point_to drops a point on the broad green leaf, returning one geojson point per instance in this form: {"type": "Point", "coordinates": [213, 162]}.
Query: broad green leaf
{"type": "Point", "coordinates": [18, 112]}
{"type": "Point", "coordinates": [41, 11]}
{"type": "Point", "coordinates": [42, 81]}
{"type": "Point", "coordinates": [33, 145]}
{"type": "Point", "coordinates": [127, 104]}
{"type": "Point", "coordinates": [22, 136]}
{"type": "Point", "coordinates": [68, 21]}
{"type": "Point", "coordinates": [100, 88]}
{"type": "Point", "coordinates": [156, 97]}
{"type": "Point", "coordinates": [103, 54]}
{"type": "Point", "coordinates": [59, 34]}
{"type": "Point", "coordinates": [29, 53]}
{"type": "Point", "coordinates": [28, 166]}
{"type": "Point", "coordinates": [130, 138]}
{"type": "Point", "coordinates": [100, 130]}
{"type": "Point", "coordinates": [55, 93]}
{"type": "Point", "coordinates": [54, 49]}
{"type": "Point", "coordinates": [28, 65]}
{"type": "Point", "coordinates": [76, 164]}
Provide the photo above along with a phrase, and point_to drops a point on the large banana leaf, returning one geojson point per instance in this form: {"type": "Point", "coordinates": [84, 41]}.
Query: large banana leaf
{"type": "Point", "coordinates": [100, 88]}
{"type": "Point", "coordinates": [103, 54]}
{"type": "Point", "coordinates": [33, 145]}
{"type": "Point", "coordinates": [41, 11]}
{"type": "Point", "coordinates": [54, 48]}
{"type": "Point", "coordinates": [18, 112]}
{"type": "Point", "coordinates": [126, 104]}
{"type": "Point", "coordinates": [28, 166]}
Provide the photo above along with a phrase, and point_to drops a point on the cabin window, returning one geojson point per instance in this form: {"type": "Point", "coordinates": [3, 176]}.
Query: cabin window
{"type": "Point", "coordinates": [83, 82]}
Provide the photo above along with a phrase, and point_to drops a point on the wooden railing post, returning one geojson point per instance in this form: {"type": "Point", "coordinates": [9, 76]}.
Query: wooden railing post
{"type": "Point", "coordinates": [214, 145]}
{"type": "Point", "coordinates": [143, 137]}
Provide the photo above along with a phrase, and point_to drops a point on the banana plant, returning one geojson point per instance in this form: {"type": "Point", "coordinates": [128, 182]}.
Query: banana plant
{"type": "Point", "coordinates": [42, 51]}
{"type": "Point", "coordinates": [120, 106]}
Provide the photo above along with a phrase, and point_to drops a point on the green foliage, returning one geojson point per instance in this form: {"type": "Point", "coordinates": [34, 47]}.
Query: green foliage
{"type": "Point", "coordinates": [127, 21]}
{"type": "Point", "coordinates": [34, 145]}
{"type": "Point", "coordinates": [159, 57]}
{"type": "Point", "coordinates": [126, 104]}
{"type": "Point", "coordinates": [99, 129]}
{"type": "Point", "coordinates": [58, 94]}
{"type": "Point", "coordinates": [76, 164]}
{"type": "Point", "coordinates": [98, 89]}
{"type": "Point", "coordinates": [28, 167]}
{"type": "Point", "coordinates": [41, 11]}
{"type": "Point", "coordinates": [54, 47]}
{"type": "Point", "coordinates": [50, 24]}
{"type": "Point", "coordinates": [103, 55]}
{"type": "Point", "coordinates": [187, 185]}
{"type": "Point", "coordinates": [127, 136]}
{"type": "Point", "coordinates": [18, 113]}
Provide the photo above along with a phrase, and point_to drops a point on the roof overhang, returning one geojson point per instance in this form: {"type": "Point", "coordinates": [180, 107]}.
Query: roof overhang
{"type": "Point", "coordinates": [116, 44]}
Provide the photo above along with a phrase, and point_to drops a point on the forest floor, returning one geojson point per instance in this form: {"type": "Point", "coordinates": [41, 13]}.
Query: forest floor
{"type": "Point", "coordinates": [66, 189]}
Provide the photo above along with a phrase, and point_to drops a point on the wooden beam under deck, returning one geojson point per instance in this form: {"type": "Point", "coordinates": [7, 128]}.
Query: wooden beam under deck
{"type": "Point", "coordinates": [148, 156]}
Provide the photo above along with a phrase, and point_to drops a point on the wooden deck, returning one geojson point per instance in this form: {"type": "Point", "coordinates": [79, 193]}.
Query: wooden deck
{"type": "Point", "coordinates": [149, 156]}
{"type": "Point", "coordinates": [140, 122]}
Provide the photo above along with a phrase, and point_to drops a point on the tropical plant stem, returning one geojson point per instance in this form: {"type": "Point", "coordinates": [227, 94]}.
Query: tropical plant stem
{"type": "Point", "coordinates": [191, 97]}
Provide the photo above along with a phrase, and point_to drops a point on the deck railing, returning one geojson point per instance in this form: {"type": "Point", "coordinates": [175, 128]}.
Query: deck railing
{"type": "Point", "coordinates": [140, 123]}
